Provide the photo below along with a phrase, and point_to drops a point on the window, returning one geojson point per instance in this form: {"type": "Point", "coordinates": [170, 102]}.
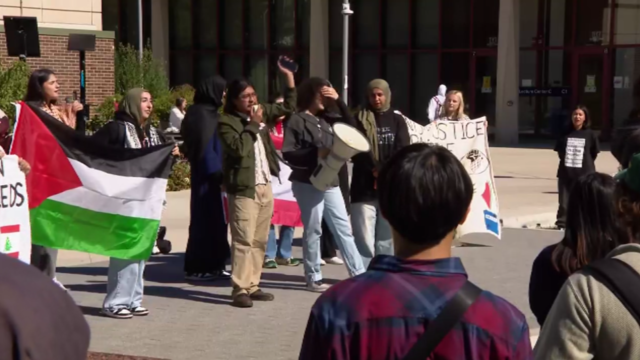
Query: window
{"type": "Point", "coordinates": [593, 22]}
{"type": "Point", "coordinates": [237, 38]}
{"type": "Point", "coordinates": [426, 17]}
{"type": "Point", "coordinates": [627, 27]}
{"type": "Point", "coordinates": [397, 26]}
{"type": "Point", "coordinates": [485, 23]}
{"type": "Point", "coordinates": [424, 86]}
{"type": "Point", "coordinates": [456, 23]}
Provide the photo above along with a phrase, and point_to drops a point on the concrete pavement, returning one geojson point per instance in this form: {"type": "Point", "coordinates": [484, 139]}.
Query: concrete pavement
{"type": "Point", "coordinates": [195, 321]}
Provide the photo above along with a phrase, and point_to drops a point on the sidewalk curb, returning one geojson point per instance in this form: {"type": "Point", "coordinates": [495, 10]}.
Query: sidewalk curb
{"type": "Point", "coordinates": [536, 221]}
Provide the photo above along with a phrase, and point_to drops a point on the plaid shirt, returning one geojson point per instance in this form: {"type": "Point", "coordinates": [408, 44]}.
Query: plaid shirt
{"type": "Point", "coordinates": [381, 313]}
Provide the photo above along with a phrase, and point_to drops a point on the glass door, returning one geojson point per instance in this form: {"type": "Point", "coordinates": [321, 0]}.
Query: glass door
{"type": "Point", "coordinates": [484, 72]}
{"type": "Point", "coordinates": [589, 84]}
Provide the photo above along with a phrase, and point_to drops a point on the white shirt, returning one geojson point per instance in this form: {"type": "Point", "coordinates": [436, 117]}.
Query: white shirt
{"type": "Point", "coordinates": [175, 118]}
{"type": "Point", "coordinates": [263, 173]}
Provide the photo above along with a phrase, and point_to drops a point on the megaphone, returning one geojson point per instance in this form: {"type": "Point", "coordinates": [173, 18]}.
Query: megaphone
{"type": "Point", "coordinates": [347, 142]}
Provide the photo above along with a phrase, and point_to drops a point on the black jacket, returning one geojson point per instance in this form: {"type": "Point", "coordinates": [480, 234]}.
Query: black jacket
{"type": "Point", "coordinates": [114, 133]}
{"type": "Point", "coordinates": [304, 134]}
{"type": "Point", "coordinates": [363, 181]}
{"type": "Point", "coordinates": [545, 284]}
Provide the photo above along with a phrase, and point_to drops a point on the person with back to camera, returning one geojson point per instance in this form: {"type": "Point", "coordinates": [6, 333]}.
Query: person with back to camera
{"type": "Point", "coordinates": [590, 235]}
{"type": "Point", "coordinates": [309, 136]}
{"type": "Point", "coordinates": [425, 193]}
{"type": "Point", "coordinates": [249, 161]}
{"type": "Point", "coordinates": [43, 93]}
{"type": "Point", "coordinates": [588, 319]}
{"type": "Point", "coordinates": [577, 151]}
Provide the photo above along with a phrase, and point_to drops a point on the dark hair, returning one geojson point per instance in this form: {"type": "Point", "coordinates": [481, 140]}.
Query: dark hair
{"type": "Point", "coordinates": [628, 205]}
{"type": "Point", "coordinates": [35, 90]}
{"type": "Point", "coordinates": [275, 96]}
{"type": "Point", "coordinates": [424, 192]}
{"type": "Point", "coordinates": [234, 89]}
{"type": "Point", "coordinates": [592, 228]}
{"type": "Point", "coordinates": [630, 147]}
{"type": "Point", "coordinates": [308, 90]}
{"type": "Point", "coordinates": [180, 101]}
{"type": "Point", "coordinates": [587, 116]}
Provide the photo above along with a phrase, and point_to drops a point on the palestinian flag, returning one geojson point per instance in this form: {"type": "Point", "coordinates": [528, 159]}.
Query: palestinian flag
{"type": "Point", "coordinates": [90, 197]}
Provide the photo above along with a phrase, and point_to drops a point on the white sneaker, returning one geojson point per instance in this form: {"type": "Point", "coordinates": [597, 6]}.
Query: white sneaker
{"type": "Point", "coordinates": [117, 314]}
{"type": "Point", "coordinates": [55, 281]}
{"type": "Point", "coordinates": [322, 262]}
{"type": "Point", "coordinates": [317, 287]}
{"type": "Point", "coordinates": [334, 261]}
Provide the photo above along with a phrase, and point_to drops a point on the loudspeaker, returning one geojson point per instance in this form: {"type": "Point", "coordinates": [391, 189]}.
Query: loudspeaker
{"type": "Point", "coordinates": [22, 36]}
{"type": "Point", "coordinates": [347, 142]}
{"type": "Point", "coordinates": [82, 42]}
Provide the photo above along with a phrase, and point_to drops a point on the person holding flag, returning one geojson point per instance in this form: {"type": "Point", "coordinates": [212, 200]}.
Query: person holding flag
{"type": "Point", "coordinates": [132, 129]}
{"type": "Point", "coordinates": [436, 103]}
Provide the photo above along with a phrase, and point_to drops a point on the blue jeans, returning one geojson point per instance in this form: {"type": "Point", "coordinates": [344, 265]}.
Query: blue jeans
{"type": "Point", "coordinates": [314, 206]}
{"type": "Point", "coordinates": [283, 249]}
{"type": "Point", "coordinates": [371, 231]}
{"type": "Point", "coordinates": [125, 284]}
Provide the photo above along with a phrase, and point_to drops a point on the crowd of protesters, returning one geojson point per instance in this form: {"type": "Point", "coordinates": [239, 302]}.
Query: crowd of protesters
{"type": "Point", "coordinates": [407, 297]}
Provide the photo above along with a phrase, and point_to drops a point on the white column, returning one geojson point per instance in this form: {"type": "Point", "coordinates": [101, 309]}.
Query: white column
{"type": "Point", "coordinates": [508, 73]}
{"type": "Point", "coordinates": [160, 31]}
{"type": "Point", "coordinates": [319, 38]}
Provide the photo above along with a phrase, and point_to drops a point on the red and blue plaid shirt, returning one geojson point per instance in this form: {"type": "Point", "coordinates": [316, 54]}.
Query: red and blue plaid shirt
{"type": "Point", "coordinates": [380, 314]}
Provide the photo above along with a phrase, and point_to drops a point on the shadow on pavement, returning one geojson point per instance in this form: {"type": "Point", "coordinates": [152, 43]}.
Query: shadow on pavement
{"type": "Point", "coordinates": [161, 291]}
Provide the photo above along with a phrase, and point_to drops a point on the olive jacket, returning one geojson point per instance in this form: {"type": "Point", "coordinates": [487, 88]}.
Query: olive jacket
{"type": "Point", "coordinates": [238, 135]}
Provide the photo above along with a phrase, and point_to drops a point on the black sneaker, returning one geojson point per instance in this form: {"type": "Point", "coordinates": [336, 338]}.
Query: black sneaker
{"type": "Point", "coordinates": [242, 301]}
{"type": "Point", "coordinates": [199, 276]}
{"type": "Point", "coordinates": [139, 311]}
{"type": "Point", "coordinates": [222, 275]}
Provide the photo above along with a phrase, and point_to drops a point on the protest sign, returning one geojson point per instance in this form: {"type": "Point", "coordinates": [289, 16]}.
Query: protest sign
{"type": "Point", "coordinates": [15, 228]}
{"type": "Point", "coordinates": [467, 140]}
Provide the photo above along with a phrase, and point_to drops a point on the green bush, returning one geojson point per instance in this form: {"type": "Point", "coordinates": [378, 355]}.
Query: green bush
{"type": "Point", "coordinates": [180, 178]}
{"type": "Point", "coordinates": [13, 86]}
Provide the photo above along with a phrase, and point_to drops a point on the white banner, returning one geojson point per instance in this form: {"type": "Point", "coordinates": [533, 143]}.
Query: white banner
{"type": "Point", "coordinates": [15, 228]}
{"type": "Point", "coordinates": [467, 140]}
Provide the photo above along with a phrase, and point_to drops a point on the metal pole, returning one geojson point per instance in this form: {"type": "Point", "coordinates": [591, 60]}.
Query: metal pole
{"type": "Point", "coordinates": [346, 12]}
{"type": "Point", "coordinates": [140, 35]}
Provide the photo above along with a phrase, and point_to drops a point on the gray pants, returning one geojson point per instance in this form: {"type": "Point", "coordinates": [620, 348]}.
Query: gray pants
{"type": "Point", "coordinates": [45, 259]}
{"type": "Point", "coordinates": [125, 284]}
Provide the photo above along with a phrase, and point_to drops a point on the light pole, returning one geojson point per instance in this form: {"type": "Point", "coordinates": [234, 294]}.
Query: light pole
{"type": "Point", "coordinates": [140, 27]}
{"type": "Point", "coordinates": [346, 12]}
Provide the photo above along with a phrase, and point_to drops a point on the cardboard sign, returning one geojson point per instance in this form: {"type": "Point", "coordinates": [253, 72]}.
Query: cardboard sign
{"type": "Point", "coordinates": [467, 140]}
{"type": "Point", "coordinates": [15, 228]}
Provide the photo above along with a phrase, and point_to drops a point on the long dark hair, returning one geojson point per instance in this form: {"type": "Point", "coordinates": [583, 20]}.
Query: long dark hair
{"type": "Point", "coordinates": [308, 90]}
{"type": "Point", "coordinates": [587, 116]}
{"type": "Point", "coordinates": [35, 90]}
{"type": "Point", "coordinates": [593, 229]}
{"type": "Point", "coordinates": [234, 89]}
{"type": "Point", "coordinates": [628, 206]}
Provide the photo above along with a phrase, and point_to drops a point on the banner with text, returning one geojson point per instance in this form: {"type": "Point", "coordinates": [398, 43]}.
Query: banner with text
{"type": "Point", "coordinates": [15, 228]}
{"type": "Point", "coordinates": [467, 140]}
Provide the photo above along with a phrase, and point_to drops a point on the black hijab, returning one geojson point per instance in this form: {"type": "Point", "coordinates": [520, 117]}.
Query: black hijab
{"type": "Point", "coordinates": [201, 120]}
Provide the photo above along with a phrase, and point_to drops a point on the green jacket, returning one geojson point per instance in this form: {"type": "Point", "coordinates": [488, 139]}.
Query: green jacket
{"type": "Point", "coordinates": [238, 136]}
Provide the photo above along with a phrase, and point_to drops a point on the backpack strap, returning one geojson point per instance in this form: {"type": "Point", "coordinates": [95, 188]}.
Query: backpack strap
{"type": "Point", "coordinates": [439, 327]}
{"type": "Point", "coordinates": [622, 280]}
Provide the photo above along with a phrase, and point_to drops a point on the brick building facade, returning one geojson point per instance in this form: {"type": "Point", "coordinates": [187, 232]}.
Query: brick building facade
{"type": "Point", "coordinates": [66, 64]}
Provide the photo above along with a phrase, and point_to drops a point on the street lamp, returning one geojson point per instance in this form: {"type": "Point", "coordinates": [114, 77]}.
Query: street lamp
{"type": "Point", "coordinates": [346, 12]}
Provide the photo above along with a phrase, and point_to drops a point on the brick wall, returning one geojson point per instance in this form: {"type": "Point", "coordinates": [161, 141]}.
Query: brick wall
{"type": "Point", "coordinates": [66, 65]}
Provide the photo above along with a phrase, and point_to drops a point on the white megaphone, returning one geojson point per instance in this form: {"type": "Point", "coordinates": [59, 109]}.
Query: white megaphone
{"type": "Point", "coordinates": [347, 142]}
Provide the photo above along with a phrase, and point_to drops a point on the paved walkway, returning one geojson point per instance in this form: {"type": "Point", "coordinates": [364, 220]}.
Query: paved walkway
{"type": "Point", "coordinates": [195, 321]}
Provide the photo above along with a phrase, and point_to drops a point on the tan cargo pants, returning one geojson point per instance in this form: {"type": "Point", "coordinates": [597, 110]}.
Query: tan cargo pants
{"type": "Point", "coordinates": [249, 220]}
